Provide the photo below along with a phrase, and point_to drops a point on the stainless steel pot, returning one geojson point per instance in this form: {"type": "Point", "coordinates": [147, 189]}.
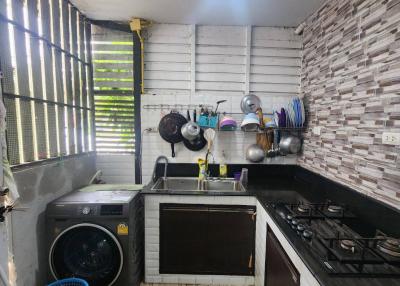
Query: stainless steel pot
{"type": "Point", "coordinates": [255, 153]}
{"type": "Point", "coordinates": [290, 145]}
{"type": "Point", "coordinates": [190, 131]}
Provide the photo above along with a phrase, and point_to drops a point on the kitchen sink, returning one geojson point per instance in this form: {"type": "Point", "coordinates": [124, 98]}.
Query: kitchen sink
{"type": "Point", "coordinates": [192, 184]}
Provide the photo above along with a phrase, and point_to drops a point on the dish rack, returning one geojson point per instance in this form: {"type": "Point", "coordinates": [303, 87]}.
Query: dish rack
{"type": "Point", "coordinates": [238, 117]}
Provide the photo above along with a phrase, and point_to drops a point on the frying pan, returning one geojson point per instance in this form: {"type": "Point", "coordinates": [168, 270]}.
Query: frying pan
{"type": "Point", "coordinates": [196, 144]}
{"type": "Point", "coordinates": [170, 129]}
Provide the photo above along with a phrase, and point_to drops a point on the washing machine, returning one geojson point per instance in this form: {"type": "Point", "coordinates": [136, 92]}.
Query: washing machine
{"type": "Point", "coordinates": [97, 236]}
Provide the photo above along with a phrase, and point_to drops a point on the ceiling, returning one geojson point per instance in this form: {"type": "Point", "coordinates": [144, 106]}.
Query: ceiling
{"type": "Point", "coordinates": [287, 13]}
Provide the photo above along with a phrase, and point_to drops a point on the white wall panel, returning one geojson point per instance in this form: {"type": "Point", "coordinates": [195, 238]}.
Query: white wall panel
{"type": "Point", "coordinates": [204, 64]}
{"type": "Point", "coordinates": [275, 61]}
{"type": "Point", "coordinates": [167, 58]}
{"type": "Point", "coordinates": [116, 169]}
{"type": "Point", "coordinates": [220, 50]}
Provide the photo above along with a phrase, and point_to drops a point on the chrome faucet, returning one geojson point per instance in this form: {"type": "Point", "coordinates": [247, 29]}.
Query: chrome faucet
{"type": "Point", "coordinates": [159, 158]}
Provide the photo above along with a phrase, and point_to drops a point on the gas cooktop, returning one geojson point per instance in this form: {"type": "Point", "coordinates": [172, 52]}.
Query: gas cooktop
{"type": "Point", "coordinates": [340, 241]}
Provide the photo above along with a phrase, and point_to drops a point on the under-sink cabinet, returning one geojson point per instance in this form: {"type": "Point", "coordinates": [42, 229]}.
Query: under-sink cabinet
{"type": "Point", "coordinates": [207, 239]}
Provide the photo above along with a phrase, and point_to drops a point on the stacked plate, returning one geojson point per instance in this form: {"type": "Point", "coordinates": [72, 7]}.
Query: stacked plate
{"type": "Point", "coordinates": [295, 113]}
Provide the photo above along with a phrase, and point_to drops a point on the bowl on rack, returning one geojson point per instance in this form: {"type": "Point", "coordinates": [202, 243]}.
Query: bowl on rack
{"type": "Point", "coordinates": [227, 123]}
{"type": "Point", "coordinates": [251, 122]}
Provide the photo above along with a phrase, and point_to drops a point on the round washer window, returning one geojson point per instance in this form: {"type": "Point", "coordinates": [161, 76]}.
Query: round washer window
{"type": "Point", "coordinates": [87, 251]}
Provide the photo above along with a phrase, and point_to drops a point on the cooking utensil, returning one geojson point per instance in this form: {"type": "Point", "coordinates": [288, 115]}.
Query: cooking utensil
{"type": "Point", "coordinates": [218, 103]}
{"type": "Point", "coordinates": [209, 135]}
{"type": "Point", "coordinates": [272, 153]}
{"type": "Point", "coordinates": [197, 144]}
{"type": "Point", "coordinates": [255, 153]}
{"type": "Point", "coordinates": [170, 129]}
{"type": "Point", "coordinates": [262, 141]}
{"type": "Point", "coordinates": [290, 145]}
{"type": "Point", "coordinates": [250, 103]}
{"type": "Point", "coordinates": [260, 117]}
{"type": "Point", "coordinates": [261, 138]}
{"type": "Point", "coordinates": [190, 130]}
{"type": "Point", "coordinates": [265, 140]}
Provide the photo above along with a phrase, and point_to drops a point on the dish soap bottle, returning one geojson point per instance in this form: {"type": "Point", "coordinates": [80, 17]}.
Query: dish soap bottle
{"type": "Point", "coordinates": [223, 170]}
{"type": "Point", "coordinates": [202, 169]}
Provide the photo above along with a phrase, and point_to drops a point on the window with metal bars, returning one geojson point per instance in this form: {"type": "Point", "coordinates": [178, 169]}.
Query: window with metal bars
{"type": "Point", "coordinates": [113, 90]}
{"type": "Point", "coordinates": [45, 59]}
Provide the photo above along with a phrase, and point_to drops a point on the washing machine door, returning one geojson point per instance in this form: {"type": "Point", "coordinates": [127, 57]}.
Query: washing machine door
{"type": "Point", "coordinates": [87, 251]}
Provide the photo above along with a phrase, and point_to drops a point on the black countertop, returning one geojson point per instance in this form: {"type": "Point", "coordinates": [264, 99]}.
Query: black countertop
{"type": "Point", "coordinates": [273, 184]}
{"type": "Point", "coordinates": [267, 200]}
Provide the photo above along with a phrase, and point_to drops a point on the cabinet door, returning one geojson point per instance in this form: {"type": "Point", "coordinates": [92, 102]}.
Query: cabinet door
{"type": "Point", "coordinates": [183, 239]}
{"type": "Point", "coordinates": [232, 238]}
{"type": "Point", "coordinates": [205, 239]}
{"type": "Point", "coordinates": [279, 270]}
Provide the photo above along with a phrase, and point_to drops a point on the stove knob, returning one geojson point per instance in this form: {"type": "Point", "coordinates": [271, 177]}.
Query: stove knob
{"type": "Point", "coordinates": [289, 217]}
{"type": "Point", "coordinates": [282, 214]}
{"type": "Point", "coordinates": [300, 227]}
{"type": "Point", "coordinates": [86, 210]}
{"type": "Point", "coordinates": [308, 233]}
{"type": "Point", "coordinates": [295, 222]}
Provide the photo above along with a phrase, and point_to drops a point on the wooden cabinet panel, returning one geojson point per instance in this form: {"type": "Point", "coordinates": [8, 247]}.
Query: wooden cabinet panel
{"type": "Point", "coordinates": [231, 239]}
{"type": "Point", "coordinates": [279, 270]}
{"type": "Point", "coordinates": [203, 239]}
{"type": "Point", "coordinates": [183, 239]}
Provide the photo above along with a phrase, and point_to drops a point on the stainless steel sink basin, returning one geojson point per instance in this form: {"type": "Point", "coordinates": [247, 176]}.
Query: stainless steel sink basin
{"type": "Point", "coordinates": [223, 185]}
{"type": "Point", "coordinates": [192, 184]}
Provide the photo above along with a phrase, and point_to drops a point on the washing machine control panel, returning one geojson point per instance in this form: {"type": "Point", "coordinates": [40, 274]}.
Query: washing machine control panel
{"type": "Point", "coordinates": [87, 210]}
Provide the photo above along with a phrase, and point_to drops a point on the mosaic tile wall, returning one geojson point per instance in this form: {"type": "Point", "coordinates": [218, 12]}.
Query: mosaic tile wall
{"type": "Point", "coordinates": [351, 86]}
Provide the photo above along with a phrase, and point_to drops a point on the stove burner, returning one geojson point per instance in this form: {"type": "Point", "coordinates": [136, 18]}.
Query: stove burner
{"type": "Point", "coordinates": [330, 230]}
{"type": "Point", "coordinates": [334, 208]}
{"type": "Point", "coordinates": [348, 244]}
{"type": "Point", "coordinates": [390, 246]}
{"type": "Point", "coordinates": [303, 208]}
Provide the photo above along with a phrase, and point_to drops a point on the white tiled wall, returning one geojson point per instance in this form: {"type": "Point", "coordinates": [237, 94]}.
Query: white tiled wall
{"type": "Point", "coordinates": [152, 209]}
{"type": "Point", "coordinates": [229, 147]}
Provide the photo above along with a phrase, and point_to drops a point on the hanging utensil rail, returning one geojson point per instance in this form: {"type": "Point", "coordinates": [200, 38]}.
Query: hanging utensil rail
{"type": "Point", "coordinates": [176, 106]}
